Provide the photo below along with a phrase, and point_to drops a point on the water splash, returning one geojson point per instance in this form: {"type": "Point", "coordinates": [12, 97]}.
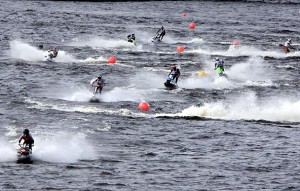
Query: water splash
{"type": "Point", "coordinates": [64, 148]}
{"type": "Point", "coordinates": [9, 153]}
{"type": "Point", "coordinates": [248, 108]}
{"type": "Point", "coordinates": [24, 51]}
{"type": "Point", "coordinates": [244, 51]}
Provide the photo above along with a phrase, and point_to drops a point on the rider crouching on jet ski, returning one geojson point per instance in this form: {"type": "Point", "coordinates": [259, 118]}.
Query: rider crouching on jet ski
{"type": "Point", "coordinates": [28, 140]}
{"type": "Point", "coordinates": [53, 53]}
{"type": "Point", "coordinates": [131, 38]}
{"type": "Point", "coordinates": [219, 64]}
{"type": "Point", "coordinates": [287, 46]}
{"type": "Point", "coordinates": [98, 83]}
{"type": "Point", "coordinates": [161, 33]}
{"type": "Point", "coordinates": [175, 73]}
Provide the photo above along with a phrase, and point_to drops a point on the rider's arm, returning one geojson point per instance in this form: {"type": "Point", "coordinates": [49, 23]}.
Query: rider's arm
{"type": "Point", "coordinates": [20, 139]}
{"type": "Point", "coordinates": [31, 138]}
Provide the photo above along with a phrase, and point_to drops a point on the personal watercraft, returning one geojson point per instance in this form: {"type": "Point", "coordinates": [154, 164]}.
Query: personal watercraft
{"type": "Point", "coordinates": [24, 154]}
{"type": "Point", "coordinates": [169, 84]}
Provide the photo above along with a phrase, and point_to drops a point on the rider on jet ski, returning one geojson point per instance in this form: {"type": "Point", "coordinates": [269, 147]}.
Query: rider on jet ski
{"type": "Point", "coordinates": [287, 46]}
{"type": "Point", "coordinates": [131, 38]}
{"type": "Point", "coordinates": [160, 33]}
{"type": "Point", "coordinates": [28, 140]}
{"type": "Point", "coordinates": [175, 73]}
{"type": "Point", "coordinates": [98, 83]}
{"type": "Point", "coordinates": [219, 64]}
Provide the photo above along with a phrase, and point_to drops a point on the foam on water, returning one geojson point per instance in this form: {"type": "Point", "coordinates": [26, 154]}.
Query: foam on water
{"type": "Point", "coordinates": [210, 81]}
{"type": "Point", "coordinates": [196, 41]}
{"type": "Point", "coordinates": [8, 152]}
{"type": "Point", "coordinates": [24, 51]}
{"type": "Point", "coordinates": [91, 60]}
{"type": "Point", "coordinates": [98, 42]}
{"type": "Point", "coordinates": [244, 50]}
{"type": "Point", "coordinates": [63, 148]}
{"type": "Point", "coordinates": [40, 105]}
{"type": "Point", "coordinates": [254, 69]}
{"type": "Point", "coordinates": [248, 107]}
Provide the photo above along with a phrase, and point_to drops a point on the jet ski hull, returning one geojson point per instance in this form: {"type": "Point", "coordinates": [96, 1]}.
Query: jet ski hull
{"type": "Point", "coordinates": [24, 159]}
{"type": "Point", "coordinates": [155, 40]}
{"type": "Point", "coordinates": [170, 86]}
{"type": "Point", "coordinates": [24, 155]}
{"type": "Point", "coordinates": [94, 99]}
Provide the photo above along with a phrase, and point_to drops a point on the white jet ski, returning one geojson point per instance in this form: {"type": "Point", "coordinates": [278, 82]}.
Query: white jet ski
{"type": "Point", "coordinates": [47, 57]}
{"type": "Point", "coordinates": [155, 40]}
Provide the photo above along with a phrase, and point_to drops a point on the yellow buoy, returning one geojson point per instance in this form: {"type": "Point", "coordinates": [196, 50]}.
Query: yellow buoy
{"type": "Point", "coordinates": [201, 73]}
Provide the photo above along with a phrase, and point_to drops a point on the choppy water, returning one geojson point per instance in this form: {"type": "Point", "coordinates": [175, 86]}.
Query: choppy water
{"type": "Point", "coordinates": [212, 133]}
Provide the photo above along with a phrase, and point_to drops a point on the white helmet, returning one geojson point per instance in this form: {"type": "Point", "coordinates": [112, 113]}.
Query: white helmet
{"type": "Point", "coordinates": [217, 59]}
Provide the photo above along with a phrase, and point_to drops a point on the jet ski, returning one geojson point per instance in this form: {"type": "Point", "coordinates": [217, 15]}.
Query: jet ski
{"type": "Point", "coordinates": [48, 57]}
{"type": "Point", "coordinates": [156, 39]}
{"type": "Point", "coordinates": [94, 99]}
{"type": "Point", "coordinates": [169, 84]}
{"type": "Point", "coordinates": [221, 73]}
{"type": "Point", "coordinates": [132, 41]}
{"type": "Point", "coordinates": [24, 154]}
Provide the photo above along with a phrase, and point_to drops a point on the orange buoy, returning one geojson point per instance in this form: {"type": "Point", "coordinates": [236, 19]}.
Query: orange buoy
{"type": "Point", "coordinates": [144, 106]}
{"type": "Point", "coordinates": [192, 25]}
{"type": "Point", "coordinates": [180, 48]}
{"type": "Point", "coordinates": [183, 14]}
{"type": "Point", "coordinates": [112, 60]}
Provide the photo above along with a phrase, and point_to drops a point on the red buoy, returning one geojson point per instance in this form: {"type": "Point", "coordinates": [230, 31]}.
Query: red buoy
{"type": "Point", "coordinates": [236, 42]}
{"type": "Point", "coordinates": [180, 48]}
{"type": "Point", "coordinates": [183, 14]}
{"type": "Point", "coordinates": [144, 106]}
{"type": "Point", "coordinates": [192, 25]}
{"type": "Point", "coordinates": [112, 60]}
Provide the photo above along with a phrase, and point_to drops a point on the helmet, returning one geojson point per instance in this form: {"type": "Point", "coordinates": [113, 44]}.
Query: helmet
{"type": "Point", "coordinates": [217, 59]}
{"type": "Point", "coordinates": [26, 132]}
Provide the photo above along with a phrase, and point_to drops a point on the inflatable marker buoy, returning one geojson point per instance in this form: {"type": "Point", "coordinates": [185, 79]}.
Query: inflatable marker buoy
{"type": "Point", "coordinates": [201, 73]}
{"type": "Point", "coordinates": [235, 42]}
{"type": "Point", "coordinates": [180, 49]}
{"type": "Point", "coordinates": [192, 25]}
{"type": "Point", "coordinates": [144, 106]}
{"type": "Point", "coordinates": [112, 60]}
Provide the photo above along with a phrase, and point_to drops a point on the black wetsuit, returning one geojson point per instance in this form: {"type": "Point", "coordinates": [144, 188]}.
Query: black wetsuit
{"type": "Point", "coordinates": [162, 34]}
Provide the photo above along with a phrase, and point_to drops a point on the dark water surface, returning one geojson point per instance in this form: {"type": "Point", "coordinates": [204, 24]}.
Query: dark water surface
{"type": "Point", "coordinates": [212, 133]}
